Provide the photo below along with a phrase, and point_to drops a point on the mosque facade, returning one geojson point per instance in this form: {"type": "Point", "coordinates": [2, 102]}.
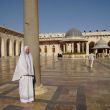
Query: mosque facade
{"type": "Point", "coordinates": [71, 44]}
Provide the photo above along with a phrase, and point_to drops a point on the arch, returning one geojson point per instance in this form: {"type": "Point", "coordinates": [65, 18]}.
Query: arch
{"type": "Point", "coordinates": [85, 47]}
{"type": "Point", "coordinates": [8, 47]}
{"type": "Point", "coordinates": [109, 46]}
{"type": "Point", "coordinates": [91, 45]}
{"type": "Point", "coordinates": [15, 48]}
{"type": "Point", "coordinates": [20, 45]}
{"type": "Point", "coordinates": [0, 46]}
{"type": "Point", "coordinates": [45, 49]}
{"type": "Point", "coordinates": [61, 47]}
{"type": "Point", "coordinates": [53, 49]}
{"type": "Point", "coordinates": [75, 47]}
{"type": "Point", "coordinates": [109, 43]}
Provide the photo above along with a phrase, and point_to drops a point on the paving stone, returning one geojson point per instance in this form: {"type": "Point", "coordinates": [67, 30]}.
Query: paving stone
{"type": "Point", "coordinates": [71, 84]}
{"type": "Point", "coordinates": [13, 107]}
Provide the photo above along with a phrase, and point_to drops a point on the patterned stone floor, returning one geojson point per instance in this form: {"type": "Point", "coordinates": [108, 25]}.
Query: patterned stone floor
{"type": "Point", "coordinates": [71, 84]}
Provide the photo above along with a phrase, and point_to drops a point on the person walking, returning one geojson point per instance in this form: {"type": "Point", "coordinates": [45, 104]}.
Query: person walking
{"type": "Point", "coordinates": [91, 59]}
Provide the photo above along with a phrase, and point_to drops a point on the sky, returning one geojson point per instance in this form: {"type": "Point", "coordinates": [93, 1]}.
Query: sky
{"type": "Point", "coordinates": [59, 15]}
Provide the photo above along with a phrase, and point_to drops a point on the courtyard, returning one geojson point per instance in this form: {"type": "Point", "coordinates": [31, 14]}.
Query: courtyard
{"type": "Point", "coordinates": [71, 84]}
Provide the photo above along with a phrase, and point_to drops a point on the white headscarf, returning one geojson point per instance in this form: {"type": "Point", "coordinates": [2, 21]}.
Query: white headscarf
{"type": "Point", "coordinates": [24, 65]}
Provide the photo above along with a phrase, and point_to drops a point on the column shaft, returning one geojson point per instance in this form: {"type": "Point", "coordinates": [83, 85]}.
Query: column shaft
{"type": "Point", "coordinates": [31, 34]}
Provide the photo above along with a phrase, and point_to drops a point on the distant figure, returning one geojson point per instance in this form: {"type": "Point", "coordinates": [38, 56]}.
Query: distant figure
{"type": "Point", "coordinates": [59, 55]}
{"type": "Point", "coordinates": [25, 74]}
{"type": "Point", "coordinates": [91, 59]}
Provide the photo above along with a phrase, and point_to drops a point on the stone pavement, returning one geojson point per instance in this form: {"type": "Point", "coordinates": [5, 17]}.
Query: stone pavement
{"type": "Point", "coordinates": [71, 85]}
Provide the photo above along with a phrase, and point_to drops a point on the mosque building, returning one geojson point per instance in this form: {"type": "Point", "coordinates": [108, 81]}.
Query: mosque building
{"type": "Point", "coordinates": [72, 44]}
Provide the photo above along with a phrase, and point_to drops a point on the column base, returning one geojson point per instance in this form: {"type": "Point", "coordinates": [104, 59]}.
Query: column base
{"type": "Point", "coordinates": [40, 90]}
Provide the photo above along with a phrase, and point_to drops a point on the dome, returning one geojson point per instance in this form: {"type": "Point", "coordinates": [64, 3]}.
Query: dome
{"type": "Point", "coordinates": [73, 33]}
{"type": "Point", "coordinates": [101, 44]}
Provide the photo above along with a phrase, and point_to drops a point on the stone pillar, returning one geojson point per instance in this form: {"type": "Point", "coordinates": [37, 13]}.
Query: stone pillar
{"type": "Point", "coordinates": [87, 48]}
{"type": "Point", "coordinates": [3, 48]}
{"type": "Point", "coordinates": [83, 48]}
{"type": "Point", "coordinates": [105, 51]}
{"type": "Point", "coordinates": [64, 48]}
{"type": "Point", "coordinates": [95, 51]}
{"type": "Point", "coordinates": [31, 38]}
{"type": "Point", "coordinates": [11, 48]}
{"type": "Point", "coordinates": [78, 47]}
{"type": "Point", "coordinates": [69, 47]}
{"type": "Point", "coordinates": [73, 47]}
{"type": "Point", "coordinates": [17, 48]}
{"type": "Point", "coordinates": [59, 50]}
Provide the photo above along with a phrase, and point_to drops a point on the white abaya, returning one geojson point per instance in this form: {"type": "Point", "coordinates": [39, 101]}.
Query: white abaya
{"type": "Point", "coordinates": [91, 59]}
{"type": "Point", "coordinates": [25, 74]}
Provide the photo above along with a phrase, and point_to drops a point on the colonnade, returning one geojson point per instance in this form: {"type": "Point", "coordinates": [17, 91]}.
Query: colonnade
{"type": "Point", "coordinates": [10, 47]}
{"type": "Point", "coordinates": [75, 47]}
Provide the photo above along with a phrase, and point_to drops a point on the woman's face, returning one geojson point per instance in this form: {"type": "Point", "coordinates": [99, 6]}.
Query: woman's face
{"type": "Point", "coordinates": [27, 51]}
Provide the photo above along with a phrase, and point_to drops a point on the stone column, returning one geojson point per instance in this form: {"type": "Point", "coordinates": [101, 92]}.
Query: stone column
{"type": "Point", "coordinates": [11, 48]}
{"type": "Point", "coordinates": [78, 47]}
{"type": "Point", "coordinates": [64, 48]}
{"type": "Point", "coordinates": [87, 48]}
{"type": "Point", "coordinates": [31, 38]}
{"type": "Point", "coordinates": [17, 48]}
{"type": "Point", "coordinates": [3, 48]}
{"type": "Point", "coordinates": [95, 51]}
{"type": "Point", "coordinates": [58, 49]}
{"type": "Point", "coordinates": [105, 51]}
{"type": "Point", "coordinates": [69, 47]}
{"type": "Point", "coordinates": [103, 54]}
{"type": "Point", "coordinates": [73, 47]}
{"type": "Point", "coordinates": [83, 48]}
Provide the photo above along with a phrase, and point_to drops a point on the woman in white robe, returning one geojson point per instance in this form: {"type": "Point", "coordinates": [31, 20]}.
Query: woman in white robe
{"type": "Point", "coordinates": [25, 74]}
{"type": "Point", "coordinates": [91, 59]}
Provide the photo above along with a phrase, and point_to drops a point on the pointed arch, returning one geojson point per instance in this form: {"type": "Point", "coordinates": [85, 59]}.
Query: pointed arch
{"type": "Point", "coordinates": [91, 45]}
{"type": "Point", "coordinates": [8, 47]}
{"type": "Point", "coordinates": [15, 48]}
